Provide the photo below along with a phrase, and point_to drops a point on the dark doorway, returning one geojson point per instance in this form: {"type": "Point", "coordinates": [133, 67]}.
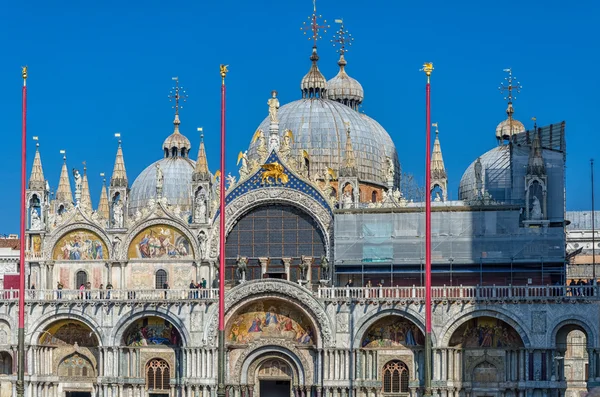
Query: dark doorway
{"type": "Point", "coordinates": [281, 276]}
{"type": "Point", "coordinates": [158, 394]}
{"type": "Point", "coordinates": [274, 388]}
{"type": "Point", "coordinates": [79, 394]}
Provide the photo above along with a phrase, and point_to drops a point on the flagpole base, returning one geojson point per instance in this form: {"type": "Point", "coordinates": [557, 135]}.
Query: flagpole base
{"type": "Point", "coordinates": [21, 363]}
{"type": "Point", "coordinates": [221, 380]}
{"type": "Point", "coordinates": [427, 392]}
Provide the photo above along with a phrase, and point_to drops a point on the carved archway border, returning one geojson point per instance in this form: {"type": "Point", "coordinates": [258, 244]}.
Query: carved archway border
{"type": "Point", "coordinates": [271, 195]}
{"type": "Point", "coordinates": [498, 313]}
{"type": "Point", "coordinates": [368, 319]}
{"type": "Point", "coordinates": [250, 373]}
{"type": "Point", "coordinates": [180, 226]}
{"type": "Point", "coordinates": [294, 294]}
{"type": "Point", "coordinates": [497, 362]}
{"type": "Point", "coordinates": [50, 243]}
{"type": "Point", "coordinates": [83, 351]}
{"type": "Point", "coordinates": [591, 337]}
{"type": "Point", "coordinates": [44, 321]}
{"type": "Point", "coordinates": [266, 346]}
{"type": "Point", "coordinates": [128, 319]}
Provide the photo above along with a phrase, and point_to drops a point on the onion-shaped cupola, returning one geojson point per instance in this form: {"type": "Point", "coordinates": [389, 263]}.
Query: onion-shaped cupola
{"type": "Point", "coordinates": [507, 129]}
{"type": "Point", "coordinates": [176, 144]}
{"type": "Point", "coordinates": [313, 84]}
{"type": "Point", "coordinates": [343, 88]}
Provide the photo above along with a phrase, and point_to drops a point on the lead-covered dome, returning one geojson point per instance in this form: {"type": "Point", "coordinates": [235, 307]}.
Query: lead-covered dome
{"type": "Point", "coordinates": [176, 168]}
{"type": "Point", "coordinates": [489, 173]}
{"type": "Point", "coordinates": [318, 127]}
{"type": "Point", "coordinates": [344, 89]}
{"type": "Point", "coordinates": [177, 173]}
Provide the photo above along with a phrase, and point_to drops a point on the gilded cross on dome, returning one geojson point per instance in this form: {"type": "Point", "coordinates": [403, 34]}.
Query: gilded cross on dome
{"type": "Point", "coordinates": [512, 85]}
{"type": "Point", "coordinates": [314, 25]}
{"type": "Point", "coordinates": [177, 94]}
{"type": "Point", "coordinates": [342, 38]}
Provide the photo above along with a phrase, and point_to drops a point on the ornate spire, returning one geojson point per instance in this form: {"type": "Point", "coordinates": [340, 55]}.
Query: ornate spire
{"type": "Point", "coordinates": [103, 210]}
{"type": "Point", "coordinates": [438, 170]}
{"type": "Point", "coordinates": [176, 144]}
{"type": "Point", "coordinates": [36, 180]}
{"type": "Point", "coordinates": [314, 85]}
{"type": "Point", "coordinates": [119, 176]}
{"type": "Point", "coordinates": [509, 127]}
{"type": "Point", "coordinates": [349, 166]}
{"type": "Point", "coordinates": [86, 199]}
{"type": "Point", "coordinates": [201, 172]}
{"type": "Point", "coordinates": [439, 177]}
{"type": "Point", "coordinates": [64, 193]}
{"type": "Point", "coordinates": [343, 88]}
{"type": "Point", "coordinates": [535, 165]}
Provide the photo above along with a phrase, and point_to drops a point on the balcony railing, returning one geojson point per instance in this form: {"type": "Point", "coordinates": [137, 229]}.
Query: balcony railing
{"type": "Point", "coordinates": [438, 294]}
{"type": "Point", "coordinates": [461, 293]}
{"type": "Point", "coordinates": [64, 295]}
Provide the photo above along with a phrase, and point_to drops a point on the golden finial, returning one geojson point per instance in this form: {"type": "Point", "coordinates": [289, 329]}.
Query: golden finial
{"type": "Point", "coordinates": [201, 133]}
{"type": "Point", "coordinates": [24, 75]}
{"type": "Point", "coordinates": [342, 38]}
{"type": "Point", "coordinates": [224, 70]}
{"type": "Point", "coordinates": [436, 128]}
{"type": "Point", "coordinates": [511, 85]}
{"type": "Point", "coordinates": [178, 94]}
{"type": "Point", "coordinates": [427, 68]}
{"type": "Point", "coordinates": [314, 25]}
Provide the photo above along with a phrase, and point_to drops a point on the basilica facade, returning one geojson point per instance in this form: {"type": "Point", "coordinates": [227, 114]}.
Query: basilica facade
{"type": "Point", "coordinates": [324, 268]}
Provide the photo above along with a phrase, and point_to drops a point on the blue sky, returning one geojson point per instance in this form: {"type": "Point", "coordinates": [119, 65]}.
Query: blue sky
{"type": "Point", "coordinates": [98, 69]}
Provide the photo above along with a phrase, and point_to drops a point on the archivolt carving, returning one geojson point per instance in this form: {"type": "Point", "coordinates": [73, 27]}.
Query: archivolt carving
{"type": "Point", "coordinates": [183, 228]}
{"type": "Point", "coordinates": [239, 295]}
{"type": "Point", "coordinates": [251, 373]}
{"type": "Point", "coordinates": [498, 312]}
{"type": "Point", "coordinates": [51, 241]}
{"type": "Point", "coordinates": [244, 203]}
{"type": "Point", "coordinates": [307, 368]}
{"type": "Point", "coordinates": [497, 362]}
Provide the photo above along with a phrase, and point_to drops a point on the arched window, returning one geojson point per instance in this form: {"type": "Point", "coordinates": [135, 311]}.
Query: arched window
{"type": "Point", "coordinates": [374, 196]}
{"type": "Point", "coordinates": [77, 366]}
{"type": "Point", "coordinates": [395, 377]}
{"type": "Point", "coordinates": [80, 278]}
{"type": "Point", "coordinates": [61, 209]}
{"type": "Point", "coordinates": [161, 279]}
{"type": "Point", "coordinates": [182, 152]}
{"type": "Point", "coordinates": [174, 151]}
{"type": "Point", "coordinates": [6, 364]}
{"type": "Point", "coordinates": [157, 375]}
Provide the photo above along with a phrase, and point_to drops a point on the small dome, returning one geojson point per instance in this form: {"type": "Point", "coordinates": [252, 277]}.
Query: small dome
{"type": "Point", "coordinates": [176, 144]}
{"type": "Point", "coordinates": [493, 171]}
{"type": "Point", "coordinates": [177, 174]}
{"type": "Point", "coordinates": [314, 84]}
{"type": "Point", "coordinates": [509, 127]}
{"type": "Point", "coordinates": [344, 89]}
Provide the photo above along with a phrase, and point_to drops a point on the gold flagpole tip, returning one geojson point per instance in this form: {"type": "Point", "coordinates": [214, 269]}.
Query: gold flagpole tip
{"type": "Point", "coordinates": [223, 71]}
{"type": "Point", "coordinates": [24, 72]}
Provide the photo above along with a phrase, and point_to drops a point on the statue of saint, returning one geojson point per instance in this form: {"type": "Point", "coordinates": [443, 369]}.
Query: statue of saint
{"type": "Point", "coordinates": [243, 158]}
{"type": "Point", "coordinates": [478, 176]}
{"type": "Point", "coordinates": [118, 214]}
{"type": "Point", "coordinates": [437, 198]}
{"type": "Point", "coordinates": [536, 209]}
{"type": "Point", "coordinates": [35, 220]}
{"type": "Point", "coordinates": [200, 208]}
{"type": "Point", "coordinates": [159, 177]}
{"type": "Point", "coordinates": [77, 177]}
{"type": "Point", "coordinates": [261, 147]}
{"type": "Point", "coordinates": [273, 103]}
{"type": "Point", "coordinates": [347, 200]}
{"type": "Point", "coordinates": [390, 169]}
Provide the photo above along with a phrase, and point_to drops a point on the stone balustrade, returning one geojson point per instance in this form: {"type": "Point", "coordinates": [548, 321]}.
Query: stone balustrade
{"type": "Point", "coordinates": [439, 294]}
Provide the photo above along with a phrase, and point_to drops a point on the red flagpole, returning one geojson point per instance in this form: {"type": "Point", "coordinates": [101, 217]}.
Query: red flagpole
{"type": "Point", "coordinates": [221, 372]}
{"type": "Point", "coordinates": [21, 335]}
{"type": "Point", "coordinates": [428, 68]}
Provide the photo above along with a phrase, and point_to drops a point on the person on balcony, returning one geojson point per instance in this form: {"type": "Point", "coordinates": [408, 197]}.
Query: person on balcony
{"type": "Point", "coordinates": [101, 291]}
{"type": "Point", "coordinates": [350, 284]}
{"type": "Point", "coordinates": [108, 288]}
{"type": "Point", "coordinates": [59, 288]}
{"type": "Point", "coordinates": [193, 286]}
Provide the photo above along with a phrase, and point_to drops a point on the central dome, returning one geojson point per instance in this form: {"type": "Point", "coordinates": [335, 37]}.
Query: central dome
{"type": "Point", "coordinates": [318, 122]}
{"type": "Point", "coordinates": [318, 127]}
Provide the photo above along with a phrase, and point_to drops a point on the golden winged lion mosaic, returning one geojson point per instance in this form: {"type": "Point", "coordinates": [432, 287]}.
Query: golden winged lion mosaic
{"type": "Point", "coordinates": [275, 171]}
